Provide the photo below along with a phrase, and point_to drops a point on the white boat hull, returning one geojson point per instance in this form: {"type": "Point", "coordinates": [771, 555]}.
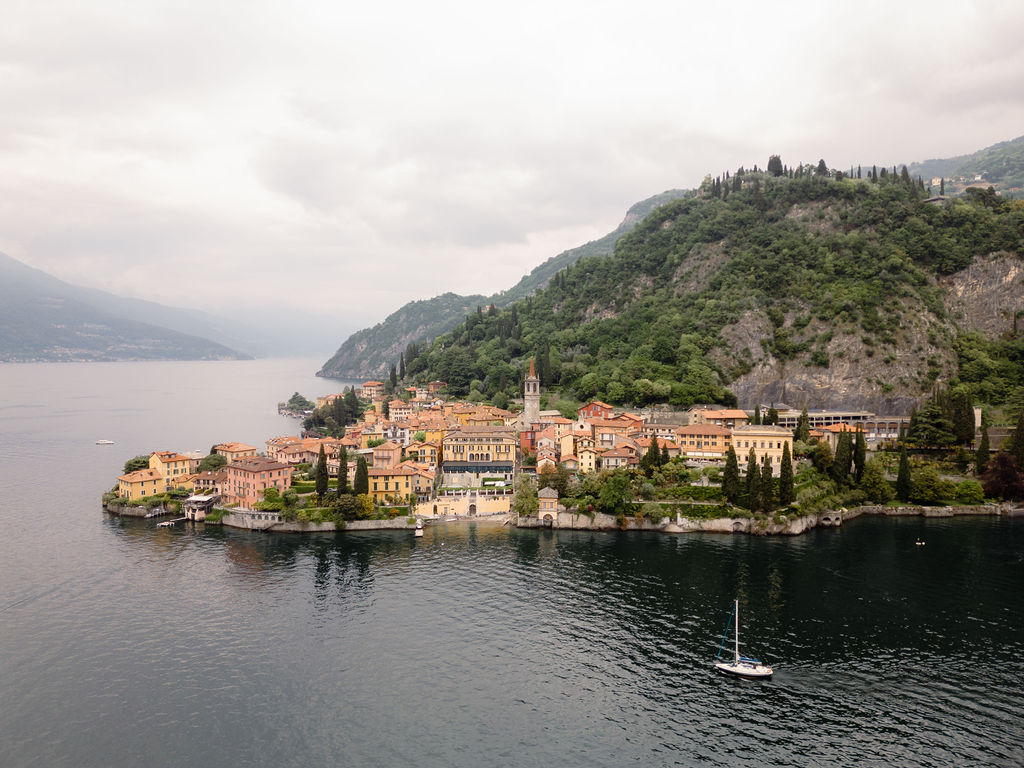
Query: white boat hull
{"type": "Point", "coordinates": [744, 669]}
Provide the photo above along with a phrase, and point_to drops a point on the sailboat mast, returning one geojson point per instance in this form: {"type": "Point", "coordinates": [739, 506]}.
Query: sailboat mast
{"type": "Point", "coordinates": [736, 634]}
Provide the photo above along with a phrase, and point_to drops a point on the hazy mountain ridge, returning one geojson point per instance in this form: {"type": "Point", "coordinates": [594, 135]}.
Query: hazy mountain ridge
{"type": "Point", "coordinates": [370, 352]}
{"type": "Point", "coordinates": [43, 318]}
{"type": "Point", "coordinates": [1001, 166]}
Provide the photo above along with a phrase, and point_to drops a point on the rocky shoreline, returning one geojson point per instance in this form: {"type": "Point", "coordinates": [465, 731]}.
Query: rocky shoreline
{"type": "Point", "coordinates": [756, 526]}
{"type": "Point", "coordinates": [600, 522]}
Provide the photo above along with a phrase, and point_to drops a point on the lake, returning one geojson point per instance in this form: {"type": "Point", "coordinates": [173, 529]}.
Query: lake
{"type": "Point", "coordinates": [122, 644]}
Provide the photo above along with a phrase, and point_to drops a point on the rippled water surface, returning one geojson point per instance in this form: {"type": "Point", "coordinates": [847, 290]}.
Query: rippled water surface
{"type": "Point", "coordinates": [122, 644]}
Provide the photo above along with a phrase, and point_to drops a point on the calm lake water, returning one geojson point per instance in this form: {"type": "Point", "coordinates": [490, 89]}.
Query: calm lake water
{"type": "Point", "coordinates": [122, 644]}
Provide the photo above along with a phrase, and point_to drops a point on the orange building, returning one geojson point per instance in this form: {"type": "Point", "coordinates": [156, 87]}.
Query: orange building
{"type": "Point", "coordinates": [247, 479]}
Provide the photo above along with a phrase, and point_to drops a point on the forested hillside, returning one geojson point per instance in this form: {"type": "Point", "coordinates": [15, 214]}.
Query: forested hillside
{"type": "Point", "coordinates": [370, 351]}
{"type": "Point", "coordinates": [800, 286]}
{"type": "Point", "coordinates": [1001, 166]}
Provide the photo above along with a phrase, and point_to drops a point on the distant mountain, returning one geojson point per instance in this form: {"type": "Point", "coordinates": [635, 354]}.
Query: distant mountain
{"type": "Point", "coordinates": [1000, 166]}
{"type": "Point", "coordinates": [371, 351]}
{"type": "Point", "coordinates": [45, 319]}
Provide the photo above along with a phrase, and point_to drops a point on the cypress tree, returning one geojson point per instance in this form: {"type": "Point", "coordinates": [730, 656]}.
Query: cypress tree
{"type": "Point", "coordinates": [756, 418]}
{"type": "Point", "coordinates": [903, 477]}
{"type": "Point", "coordinates": [362, 480]}
{"type": "Point", "coordinates": [321, 476]}
{"type": "Point", "coordinates": [649, 461]}
{"type": "Point", "coordinates": [342, 470]}
{"type": "Point", "coordinates": [860, 455]}
{"type": "Point", "coordinates": [802, 433]}
{"type": "Point", "coordinates": [840, 470]}
{"type": "Point", "coordinates": [786, 494]}
{"type": "Point", "coordinates": [772, 416]}
{"type": "Point", "coordinates": [753, 482]}
{"type": "Point", "coordinates": [393, 377]}
{"type": "Point", "coordinates": [401, 366]}
{"type": "Point", "coordinates": [664, 455]}
{"type": "Point", "coordinates": [731, 477]}
{"type": "Point", "coordinates": [942, 186]}
{"type": "Point", "coordinates": [982, 455]}
{"type": "Point", "coordinates": [1017, 441]}
{"type": "Point", "coordinates": [767, 486]}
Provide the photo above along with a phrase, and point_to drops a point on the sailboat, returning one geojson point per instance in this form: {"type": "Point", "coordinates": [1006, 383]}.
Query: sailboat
{"type": "Point", "coordinates": [740, 666]}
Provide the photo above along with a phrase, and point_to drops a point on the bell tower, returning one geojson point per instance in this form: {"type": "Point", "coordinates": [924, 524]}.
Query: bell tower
{"type": "Point", "coordinates": [531, 397]}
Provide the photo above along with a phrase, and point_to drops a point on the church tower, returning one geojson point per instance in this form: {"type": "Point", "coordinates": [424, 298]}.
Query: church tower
{"type": "Point", "coordinates": [531, 397]}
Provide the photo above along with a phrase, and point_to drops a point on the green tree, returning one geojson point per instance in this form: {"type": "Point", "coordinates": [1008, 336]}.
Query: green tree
{"type": "Point", "coordinates": [651, 458]}
{"type": "Point", "coordinates": [962, 407]}
{"type": "Point", "coordinates": [873, 482]}
{"type": "Point", "coordinates": [982, 455]}
{"type": "Point", "coordinates": [786, 489]}
{"type": "Point", "coordinates": [903, 477]}
{"type": "Point", "coordinates": [802, 433]}
{"type": "Point", "coordinates": [664, 455]}
{"type": "Point", "coordinates": [361, 484]}
{"type": "Point", "coordinates": [1002, 479]}
{"type": "Point", "coordinates": [860, 454]}
{"type": "Point", "coordinates": [840, 470]}
{"type": "Point", "coordinates": [321, 476]}
{"type": "Point", "coordinates": [212, 462]}
{"type": "Point", "coordinates": [616, 494]}
{"type": "Point", "coordinates": [970, 492]}
{"type": "Point", "coordinates": [755, 417]}
{"type": "Point", "coordinates": [772, 417]}
{"type": "Point", "coordinates": [925, 485]}
{"type": "Point", "coordinates": [775, 165]}
{"type": "Point", "coordinates": [525, 501]}
{"type": "Point", "coordinates": [393, 377]}
{"type": "Point", "coordinates": [767, 486]}
{"type": "Point", "coordinates": [731, 477]}
{"type": "Point", "coordinates": [136, 463]}
{"type": "Point", "coordinates": [342, 470]}
{"type": "Point", "coordinates": [753, 482]}
{"type": "Point", "coordinates": [1017, 440]}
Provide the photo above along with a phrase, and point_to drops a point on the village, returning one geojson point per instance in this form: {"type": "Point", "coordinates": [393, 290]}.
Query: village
{"type": "Point", "coordinates": [430, 458]}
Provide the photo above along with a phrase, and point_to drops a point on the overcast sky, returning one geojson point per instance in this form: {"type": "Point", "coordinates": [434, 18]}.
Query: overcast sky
{"type": "Point", "coordinates": [351, 157]}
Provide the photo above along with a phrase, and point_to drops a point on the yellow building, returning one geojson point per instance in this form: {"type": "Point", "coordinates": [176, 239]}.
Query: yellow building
{"type": "Point", "coordinates": [471, 453]}
{"type": "Point", "coordinates": [171, 466]}
{"type": "Point", "coordinates": [704, 441]}
{"type": "Point", "coordinates": [394, 482]}
{"type": "Point", "coordinates": [141, 484]}
{"type": "Point", "coordinates": [234, 451]}
{"type": "Point", "coordinates": [588, 457]}
{"type": "Point", "coordinates": [423, 453]}
{"type": "Point", "coordinates": [765, 439]}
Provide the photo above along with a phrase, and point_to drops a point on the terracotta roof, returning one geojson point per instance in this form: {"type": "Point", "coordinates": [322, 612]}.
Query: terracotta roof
{"type": "Point", "coordinates": [232, 447]}
{"type": "Point", "coordinates": [703, 429]}
{"type": "Point", "coordinates": [383, 471]}
{"type": "Point", "coordinates": [256, 464]}
{"type": "Point", "coordinates": [169, 456]}
{"type": "Point", "coordinates": [841, 428]}
{"type": "Point", "coordinates": [141, 475]}
{"type": "Point", "coordinates": [725, 413]}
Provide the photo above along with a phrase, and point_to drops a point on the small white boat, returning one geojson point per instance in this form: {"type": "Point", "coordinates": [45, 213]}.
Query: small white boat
{"type": "Point", "coordinates": [104, 442]}
{"type": "Point", "coordinates": [419, 529]}
{"type": "Point", "coordinates": [740, 666]}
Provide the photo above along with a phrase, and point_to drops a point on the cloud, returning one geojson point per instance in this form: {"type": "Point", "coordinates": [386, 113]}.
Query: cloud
{"type": "Point", "coordinates": [349, 159]}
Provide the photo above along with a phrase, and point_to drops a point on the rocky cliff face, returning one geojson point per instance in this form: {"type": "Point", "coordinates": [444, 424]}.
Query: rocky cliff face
{"type": "Point", "coordinates": [863, 372]}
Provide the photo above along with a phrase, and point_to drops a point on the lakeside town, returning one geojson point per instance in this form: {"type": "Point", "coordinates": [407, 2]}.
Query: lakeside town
{"type": "Point", "coordinates": [420, 457]}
